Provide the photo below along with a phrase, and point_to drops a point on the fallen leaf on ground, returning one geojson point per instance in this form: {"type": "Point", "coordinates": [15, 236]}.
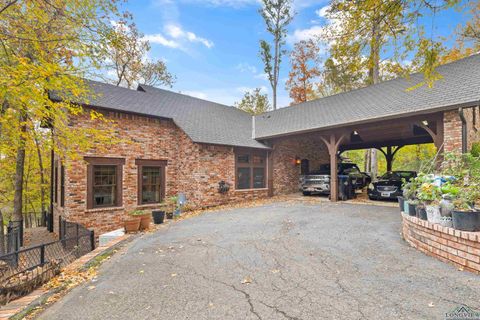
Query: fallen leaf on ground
{"type": "Point", "coordinates": [91, 287]}
{"type": "Point", "coordinates": [173, 274]}
{"type": "Point", "coordinates": [275, 271]}
{"type": "Point", "coordinates": [431, 305]}
{"type": "Point", "coordinates": [247, 280]}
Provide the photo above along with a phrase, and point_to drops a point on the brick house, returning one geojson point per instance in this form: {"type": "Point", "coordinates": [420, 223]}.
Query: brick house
{"type": "Point", "coordinates": [173, 143]}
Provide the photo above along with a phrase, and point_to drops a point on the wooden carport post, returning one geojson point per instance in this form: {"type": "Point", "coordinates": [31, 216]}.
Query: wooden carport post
{"type": "Point", "coordinates": [332, 143]}
{"type": "Point", "coordinates": [389, 155]}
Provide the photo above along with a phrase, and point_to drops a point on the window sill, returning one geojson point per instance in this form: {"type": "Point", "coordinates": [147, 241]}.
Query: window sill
{"type": "Point", "coordinates": [105, 209]}
{"type": "Point", "coordinates": [150, 205]}
{"type": "Point", "coordinates": [249, 190]}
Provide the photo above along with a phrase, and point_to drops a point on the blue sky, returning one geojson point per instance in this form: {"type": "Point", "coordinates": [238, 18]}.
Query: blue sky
{"type": "Point", "coordinates": [212, 45]}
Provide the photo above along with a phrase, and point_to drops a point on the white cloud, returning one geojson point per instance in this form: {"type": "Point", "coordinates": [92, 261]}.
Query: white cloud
{"type": "Point", "coordinates": [306, 34]}
{"type": "Point", "coordinates": [317, 31]}
{"type": "Point", "coordinates": [245, 67]}
{"type": "Point", "coordinates": [225, 3]}
{"type": "Point", "coordinates": [261, 76]}
{"type": "Point", "coordinates": [237, 4]}
{"type": "Point", "coordinates": [161, 40]}
{"type": "Point", "coordinates": [322, 12]}
{"type": "Point", "coordinates": [263, 89]}
{"type": "Point", "coordinates": [177, 37]}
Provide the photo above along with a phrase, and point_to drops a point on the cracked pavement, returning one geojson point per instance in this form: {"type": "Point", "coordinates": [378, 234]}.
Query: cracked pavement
{"type": "Point", "coordinates": [279, 261]}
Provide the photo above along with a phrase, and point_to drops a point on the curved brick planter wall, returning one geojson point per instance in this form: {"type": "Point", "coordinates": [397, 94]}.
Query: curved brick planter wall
{"type": "Point", "coordinates": [460, 248]}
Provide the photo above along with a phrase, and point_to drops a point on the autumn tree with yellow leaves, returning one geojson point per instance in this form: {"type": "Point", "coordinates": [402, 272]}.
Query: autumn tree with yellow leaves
{"type": "Point", "coordinates": [46, 48]}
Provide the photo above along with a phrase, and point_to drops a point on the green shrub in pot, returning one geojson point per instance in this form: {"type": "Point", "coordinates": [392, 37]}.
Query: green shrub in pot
{"type": "Point", "coordinates": [466, 215]}
{"type": "Point", "coordinates": [409, 195]}
{"type": "Point", "coordinates": [430, 194]}
{"type": "Point", "coordinates": [449, 193]}
{"type": "Point", "coordinates": [466, 169]}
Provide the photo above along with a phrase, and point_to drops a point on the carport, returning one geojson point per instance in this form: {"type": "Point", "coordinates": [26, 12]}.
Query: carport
{"type": "Point", "coordinates": [385, 116]}
{"type": "Point", "coordinates": [388, 136]}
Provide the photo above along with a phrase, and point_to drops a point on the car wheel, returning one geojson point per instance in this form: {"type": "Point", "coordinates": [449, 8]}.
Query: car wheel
{"type": "Point", "coordinates": [371, 198]}
{"type": "Point", "coordinates": [306, 193]}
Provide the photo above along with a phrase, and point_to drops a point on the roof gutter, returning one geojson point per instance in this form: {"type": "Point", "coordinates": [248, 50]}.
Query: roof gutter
{"type": "Point", "coordinates": [464, 129]}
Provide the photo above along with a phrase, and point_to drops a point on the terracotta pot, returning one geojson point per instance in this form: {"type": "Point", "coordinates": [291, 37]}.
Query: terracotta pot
{"type": "Point", "coordinates": [145, 221]}
{"type": "Point", "coordinates": [132, 224]}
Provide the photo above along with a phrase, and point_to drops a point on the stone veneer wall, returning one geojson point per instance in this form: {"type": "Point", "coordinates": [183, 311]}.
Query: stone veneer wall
{"type": "Point", "coordinates": [459, 248]}
{"type": "Point", "coordinates": [194, 169]}
{"type": "Point", "coordinates": [285, 172]}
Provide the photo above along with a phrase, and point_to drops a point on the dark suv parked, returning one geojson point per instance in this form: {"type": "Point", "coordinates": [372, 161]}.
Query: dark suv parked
{"type": "Point", "coordinates": [389, 186]}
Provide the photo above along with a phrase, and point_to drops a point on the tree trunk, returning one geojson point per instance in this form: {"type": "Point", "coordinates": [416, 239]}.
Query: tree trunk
{"type": "Point", "coordinates": [2, 235]}
{"type": "Point", "coordinates": [275, 74]}
{"type": "Point", "coordinates": [19, 171]}
{"type": "Point", "coordinates": [42, 175]}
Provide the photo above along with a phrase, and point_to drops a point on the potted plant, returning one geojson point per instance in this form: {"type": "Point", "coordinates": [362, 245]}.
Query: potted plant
{"type": "Point", "coordinates": [145, 218]}
{"type": "Point", "coordinates": [421, 211]}
{"type": "Point", "coordinates": [409, 192]}
{"type": "Point", "coordinates": [449, 193]}
{"type": "Point", "coordinates": [412, 207]}
{"type": "Point", "coordinates": [429, 194]}
{"type": "Point", "coordinates": [465, 215]}
{"type": "Point", "coordinates": [158, 216]}
{"type": "Point", "coordinates": [132, 223]}
{"type": "Point", "coordinates": [171, 205]}
{"type": "Point", "coordinates": [466, 170]}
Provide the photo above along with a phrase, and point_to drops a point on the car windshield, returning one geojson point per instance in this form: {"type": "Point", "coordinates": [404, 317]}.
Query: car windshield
{"type": "Point", "coordinates": [324, 169]}
{"type": "Point", "coordinates": [344, 168]}
{"type": "Point", "coordinates": [398, 175]}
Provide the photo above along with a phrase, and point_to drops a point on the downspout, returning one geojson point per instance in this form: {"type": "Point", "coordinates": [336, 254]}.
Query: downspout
{"type": "Point", "coordinates": [464, 130]}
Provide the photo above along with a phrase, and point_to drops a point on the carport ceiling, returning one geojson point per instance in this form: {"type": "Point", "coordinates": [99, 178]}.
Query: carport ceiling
{"type": "Point", "coordinates": [390, 133]}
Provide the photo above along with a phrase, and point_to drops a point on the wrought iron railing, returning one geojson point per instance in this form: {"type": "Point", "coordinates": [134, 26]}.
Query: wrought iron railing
{"type": "Point", "coordinates": [22, 269]}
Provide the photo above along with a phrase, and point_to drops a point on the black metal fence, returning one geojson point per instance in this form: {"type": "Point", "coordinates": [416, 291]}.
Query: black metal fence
{"type": "Point", "coordinates": [12, 240]}
{"type": "Point", "coordinates": [34, 265]}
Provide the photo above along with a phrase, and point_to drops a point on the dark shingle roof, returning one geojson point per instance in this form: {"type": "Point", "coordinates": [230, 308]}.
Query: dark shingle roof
{"type": "Point", "coordinates": [208, 122]}
{"type": "Point", "coordinates": [203, 121]}
{"type": "Point", "coordinates": [459, 86]}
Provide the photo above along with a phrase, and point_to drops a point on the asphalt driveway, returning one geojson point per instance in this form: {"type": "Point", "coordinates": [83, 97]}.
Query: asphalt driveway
{"type": "Point", "coordinates": [279, 261]}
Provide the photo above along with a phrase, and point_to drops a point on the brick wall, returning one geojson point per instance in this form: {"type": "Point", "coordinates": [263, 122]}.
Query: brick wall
{"type": "Point", "coordinates": [459, 248]}
{"type": "Point", "coordinates": [452, 130]}
{"type": "Point", "coordinates": [285, 172]}
{"type": "Point", "coordinates": [193, 169]}
{"type": "Point", "coordinates": [452, 125]}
